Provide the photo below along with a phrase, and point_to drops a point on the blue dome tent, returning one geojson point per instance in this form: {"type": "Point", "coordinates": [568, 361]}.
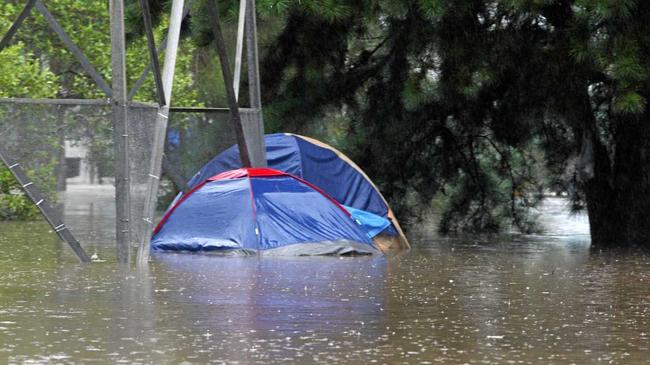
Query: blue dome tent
{"type": "Point", "coordinates": [329, 170]}
{"type": "Point", "coordinates": [260, 210]}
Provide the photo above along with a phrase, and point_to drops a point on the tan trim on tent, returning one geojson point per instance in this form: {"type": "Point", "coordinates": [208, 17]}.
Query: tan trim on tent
{"type": "Point", "coordinates": [384, 242]}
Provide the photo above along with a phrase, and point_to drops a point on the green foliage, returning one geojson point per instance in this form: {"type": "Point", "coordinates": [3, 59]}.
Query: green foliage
{"type": "Point", "coordinates": [629, 102]}
{"type": "Point", "coordinates": [185, 91]}
{"type": "Point", "coordinates": [13, 203]}
{"type": "Point", "coordinates": [22, 76]}
{"type": "Point", "coordinates": [481, 103]}
{"type": "Point", "coordinates": [38, 65]}
{"type": "Point", "coordinates": [47, 68]}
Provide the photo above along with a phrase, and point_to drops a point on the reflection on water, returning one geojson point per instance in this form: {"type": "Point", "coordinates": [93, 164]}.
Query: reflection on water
{"type": "Point", "coordinates": [518, 299]}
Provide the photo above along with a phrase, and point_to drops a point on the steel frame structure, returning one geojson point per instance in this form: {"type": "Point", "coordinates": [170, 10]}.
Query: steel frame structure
{"type": "Point", "coordinates": [250, 136]}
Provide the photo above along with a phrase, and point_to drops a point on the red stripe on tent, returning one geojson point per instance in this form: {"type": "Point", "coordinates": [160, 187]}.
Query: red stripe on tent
{"type": "Point", "coordinates": [266, 172]}
{"type": "Point", "coordinates": [241, 173]}
{"type": "Point", "coordinates": [252, 172]}
{"type": "Point", "coordinates": [256, 172]}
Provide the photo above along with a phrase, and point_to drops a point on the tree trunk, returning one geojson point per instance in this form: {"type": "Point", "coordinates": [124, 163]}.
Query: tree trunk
{"type": "Point", "coordinates": [618, 196]}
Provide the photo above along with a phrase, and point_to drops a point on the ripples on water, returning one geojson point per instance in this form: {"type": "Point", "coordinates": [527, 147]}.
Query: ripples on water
{"type": "Point", "coordinates": [510, 299]}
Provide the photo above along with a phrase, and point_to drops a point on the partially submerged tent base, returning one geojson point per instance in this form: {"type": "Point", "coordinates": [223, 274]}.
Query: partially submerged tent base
{"type": "Point", "coordinates": [391, 243]}
{"type": "Point", "coordinates": [328, 248]}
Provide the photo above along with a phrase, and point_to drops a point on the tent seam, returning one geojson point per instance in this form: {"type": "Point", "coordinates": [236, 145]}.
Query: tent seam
{"type": "Point", "coordinates": [258, 229]}
{"type": "Point", "coordinates": [297, 148]}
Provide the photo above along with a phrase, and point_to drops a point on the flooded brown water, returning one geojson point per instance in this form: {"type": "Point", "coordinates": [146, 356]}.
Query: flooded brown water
{"type": "Point", "coordinates": [510, 299]}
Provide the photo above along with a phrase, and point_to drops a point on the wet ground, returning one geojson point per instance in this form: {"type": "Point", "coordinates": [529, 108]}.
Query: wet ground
{"type": "Point", "coordinates": [510, 299]}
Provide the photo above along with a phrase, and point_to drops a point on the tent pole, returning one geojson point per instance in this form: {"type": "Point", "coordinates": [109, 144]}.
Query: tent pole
{"type": "Point", "coordinates": [175, 20]}
{"type": "Point", "coordinates": [120, 133]}
{"type": "Point", "coordinates": [213, 13]}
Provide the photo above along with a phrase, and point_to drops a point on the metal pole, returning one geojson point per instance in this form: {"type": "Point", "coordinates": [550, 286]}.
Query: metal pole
{"type": "Point", "coordinates": [55, 101]}
{"type": "Point", "coordinates": [162, 46]}
{"type": "Point", "coordinates": [176, 18]}
{"type": "Point", "coordinates": [256, 144]}
{"type": "Point", "coordinates": [14, 27]}
{"type": "Point", "coordinates": [240, 46]}
{"type": "Point", "coordinates": [153, 54]}
{"type": "Point", "coordinates": [254, 89]}
{"type": "Point", "coordinates": [120, 133]}
{"type": "Point", "coordinates": [213, 13]}
{"type": "Point", "coordinates": [50, 215]}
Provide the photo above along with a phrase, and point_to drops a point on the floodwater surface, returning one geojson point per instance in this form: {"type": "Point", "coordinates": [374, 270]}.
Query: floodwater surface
{"type": "Point", "coordinates": [510, 299]}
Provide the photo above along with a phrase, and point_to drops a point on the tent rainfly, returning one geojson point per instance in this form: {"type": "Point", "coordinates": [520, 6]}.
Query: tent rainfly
{"type": "Point", "coordinates": [328, 169]}
{"type": "Point", "coordinates": [259, 210]}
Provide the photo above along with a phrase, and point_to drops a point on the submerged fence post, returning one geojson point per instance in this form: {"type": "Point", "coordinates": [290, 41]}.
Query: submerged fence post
{"type": "Point", "coordinates": [176, 18]}
{"type": "Point", "coordinates": [120, 133]}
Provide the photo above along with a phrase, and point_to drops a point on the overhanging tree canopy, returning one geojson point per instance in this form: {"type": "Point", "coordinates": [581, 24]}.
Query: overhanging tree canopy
{"type": "Point", "coordinates": [466, 97]}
